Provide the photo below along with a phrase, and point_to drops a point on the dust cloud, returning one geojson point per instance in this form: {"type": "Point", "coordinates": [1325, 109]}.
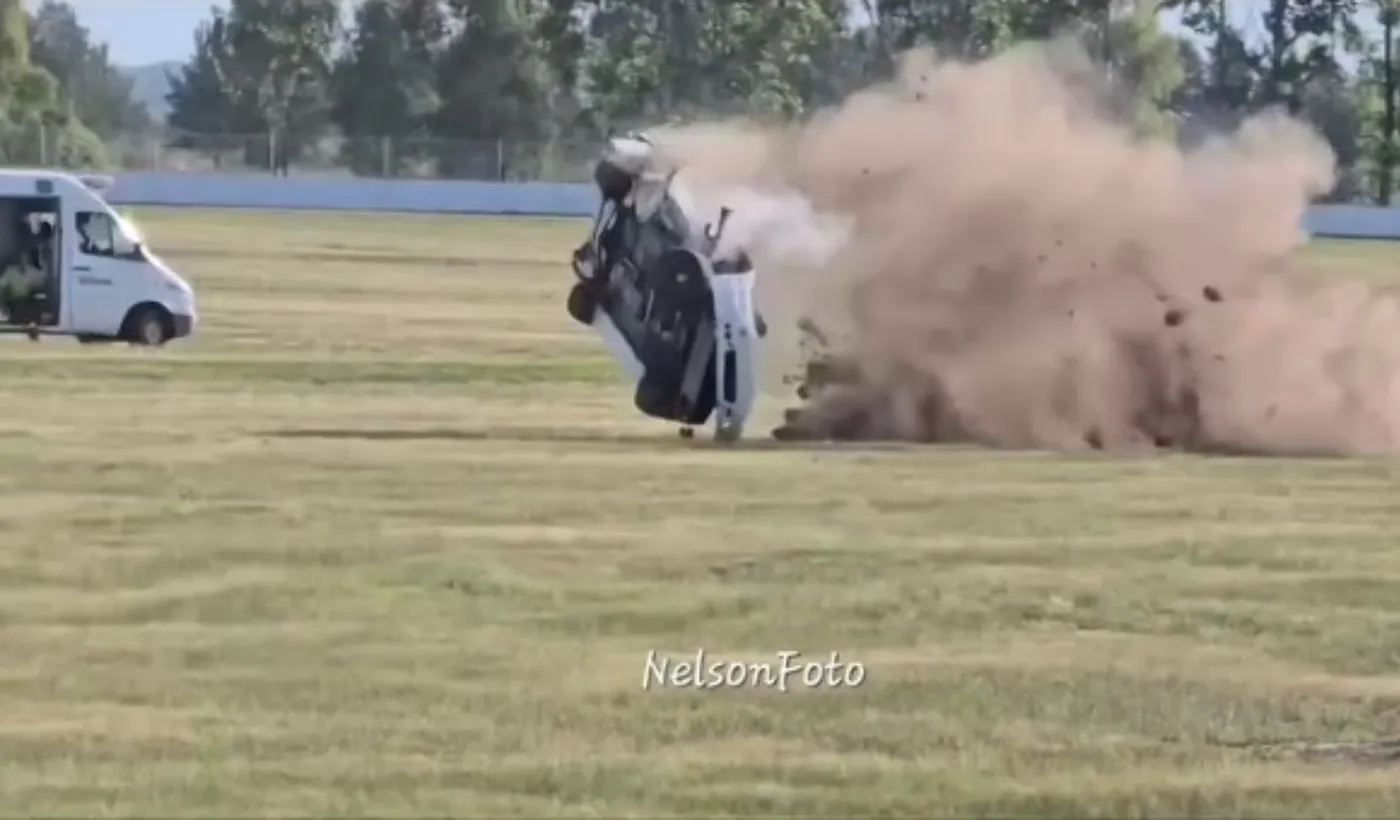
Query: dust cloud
{"type": "Point", "coordinates": [988, 255]}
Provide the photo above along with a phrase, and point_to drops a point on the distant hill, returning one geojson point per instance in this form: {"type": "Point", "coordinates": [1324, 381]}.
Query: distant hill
{"type": "Point", "coordinates": [151, 85]}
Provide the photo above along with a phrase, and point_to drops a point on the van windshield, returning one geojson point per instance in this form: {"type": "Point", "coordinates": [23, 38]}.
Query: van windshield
{"type": "Point", "coordinates": [128, 229]}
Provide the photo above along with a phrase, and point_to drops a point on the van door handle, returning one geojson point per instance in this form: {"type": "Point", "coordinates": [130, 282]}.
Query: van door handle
{"type": "Point", "coordinates": [81, 267]}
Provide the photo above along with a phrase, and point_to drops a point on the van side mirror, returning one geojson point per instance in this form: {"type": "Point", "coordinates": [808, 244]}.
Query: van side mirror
{"type": "Point", "coordinates": [133, 251]}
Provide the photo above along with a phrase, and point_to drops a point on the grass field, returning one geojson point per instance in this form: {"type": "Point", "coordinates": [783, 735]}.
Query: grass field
{"type": "Point", "coordinates": [388, 539]}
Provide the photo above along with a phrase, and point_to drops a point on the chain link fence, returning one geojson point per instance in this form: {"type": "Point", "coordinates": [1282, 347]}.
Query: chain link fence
{"type": "Point", "coordinates": [561, 160]}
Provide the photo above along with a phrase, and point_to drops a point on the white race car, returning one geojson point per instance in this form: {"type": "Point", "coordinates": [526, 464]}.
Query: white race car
{"type": "Point", "coordinates": [679, 318]}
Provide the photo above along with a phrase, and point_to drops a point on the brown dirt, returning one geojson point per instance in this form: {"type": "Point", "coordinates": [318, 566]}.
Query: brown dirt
{"type": "Point", "coordinates": [1018, 270]}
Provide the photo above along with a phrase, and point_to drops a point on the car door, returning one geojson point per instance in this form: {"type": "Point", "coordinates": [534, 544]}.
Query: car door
{"type": "Point", "coordinates": [96, 284]}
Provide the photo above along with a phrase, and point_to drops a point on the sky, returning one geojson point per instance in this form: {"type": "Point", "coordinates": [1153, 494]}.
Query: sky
{"type": "Point", "coordinates": [143, 31]}
{"type": "Point", "coordinates": [150, 31]}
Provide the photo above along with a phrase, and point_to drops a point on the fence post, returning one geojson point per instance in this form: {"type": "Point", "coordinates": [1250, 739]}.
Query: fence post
{"type": "Point", "coordinates": [386, 148]}
{"type": "Point", "coordinates": [43, 145]}
{"type": "Point", "coordinates": [500, 159]}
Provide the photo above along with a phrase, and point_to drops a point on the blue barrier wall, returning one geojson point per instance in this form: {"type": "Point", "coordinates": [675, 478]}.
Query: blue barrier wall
{"type": "Point", "coordinates": [353, 194]}
{"type": "Point", "coordinates": [1353, 221]}
{"type": "Point", "coordinates": [334, 193]}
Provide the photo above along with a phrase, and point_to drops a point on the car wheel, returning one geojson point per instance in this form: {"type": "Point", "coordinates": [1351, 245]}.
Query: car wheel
{"type": "Point", "coordinates": [581, 304]}
{"type": "Point", "coordinates": [683, 278]}
{"type": "Point", "coordinates": [613, 182]}
{"type": "Point", "coordinates": [148, 327]}
{"type": "Point", "coordinates": [654, 399]}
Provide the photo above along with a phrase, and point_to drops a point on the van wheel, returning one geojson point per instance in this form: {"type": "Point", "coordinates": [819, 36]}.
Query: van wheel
{"type": "Point", "coordinates": [148, 326]}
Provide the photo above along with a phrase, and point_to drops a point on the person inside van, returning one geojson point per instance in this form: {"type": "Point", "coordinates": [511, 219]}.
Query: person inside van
{"type": "Point", "coordinates": [43, 252]}
{"type": "Point", "coordinates": [85, 243]}
{"type": "Point", "coordinates": [95, 234]}
{"type": "Point", "coordinates": [21, 280]}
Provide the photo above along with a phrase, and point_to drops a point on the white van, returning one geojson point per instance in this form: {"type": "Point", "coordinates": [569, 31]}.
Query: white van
{"type": "Point", "coordinates": [88, 271]}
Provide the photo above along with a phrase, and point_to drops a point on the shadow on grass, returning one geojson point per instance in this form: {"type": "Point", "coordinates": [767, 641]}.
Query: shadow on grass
{"type": "Point", "coordinates": [248, 371]}
{"type": "Point", "coordinates": [653, 441]}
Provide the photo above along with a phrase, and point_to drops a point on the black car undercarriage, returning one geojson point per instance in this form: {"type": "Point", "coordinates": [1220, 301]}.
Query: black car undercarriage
{"type": "Point", "coordinates": [656, 292]}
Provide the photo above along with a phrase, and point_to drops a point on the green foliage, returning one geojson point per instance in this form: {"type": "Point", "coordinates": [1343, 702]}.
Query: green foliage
{"type": "Point", "coordinates": [264, 67]}
{"type": "Point", "coordinates": [1148, 63]}
{"type": "Point", "coordinates": [1374, 102]}
{"type": "Point", "coordinates": [37, 125]}
{"type": "Point", "coordinates": [493, 80]}
{"type": "Point", "coordinates": [1301, 42]}
{"type": "Point", "coordinates": [961, 29]}
{"type": "Point", "coordinates": [655, 59]}
{"type": "Point", "coordinates": [279, 68]}
{"type": "Point", "coordinates": [509, 87]}
{"type": "Point", "coordinates": [515, 88]}
{"type": "Point", "coordinates": [200, 97]}
{"type": "Point", "coordinates": [101, 95]}
{"type": "Point", "coordinates": [384, 85]}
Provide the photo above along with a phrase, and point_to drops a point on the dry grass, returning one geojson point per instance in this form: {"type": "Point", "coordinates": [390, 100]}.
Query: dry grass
{"type": "Point", "coordinates": [388, 539]}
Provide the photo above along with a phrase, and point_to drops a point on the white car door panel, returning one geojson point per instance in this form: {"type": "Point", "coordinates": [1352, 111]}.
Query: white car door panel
{"type": "Point", "coordinates": [97, 297]}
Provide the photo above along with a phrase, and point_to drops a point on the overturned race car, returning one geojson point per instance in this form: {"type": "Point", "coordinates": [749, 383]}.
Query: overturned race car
{"type": "Point", "coordinates": [679, 317]}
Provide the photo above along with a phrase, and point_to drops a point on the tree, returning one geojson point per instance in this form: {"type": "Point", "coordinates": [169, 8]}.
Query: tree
{"type": "Point", "coordinates": [281, 53]}
{"type": "Point", "coordinates": [1226, 84]}
{"type": "Point", "coordinates": [201, 97]}
{"type": "Point", "coordinates": [384, 88]}
{"type": "Point", "coordinates": [769, 53]}
{"type": "Point", "coordinates": [957, 29]}
{"type": "Point", "coordinates": [976, 29]}
{"type": "Point", "coordinates": [561, 27]}
{"type": "Point", "coordinates": [850, 61]}
{"type": "Point", "coordinates": [657, 59]}
{"type": "Point", "coordinates": [1298, 70]}
{"type": "Point", "coordinates": [36, 125]}
{"type": "Point", "coordinates": [1145, 62]}
{"type": "Point", "coordinates": [101, 95]}
{"type": "Point", "coordinates": [494, 85]}
{"type": "Point", "coordinates": [1332, 103]}
{"type": "Point", "coordinates": [1383, 72]}
{"type": "Point", "coordinates": [1301, 46]}
{"type": "Point", "coordinates": [1294, 66]}
{"type": "Point", "coordinates": [1301, 43]}
{"type": "Point", "coordinates": [261, 68]}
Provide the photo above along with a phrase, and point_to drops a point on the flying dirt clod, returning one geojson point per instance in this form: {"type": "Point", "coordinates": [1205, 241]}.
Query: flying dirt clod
{"type": "Point", "coordinates": [1007, 263]}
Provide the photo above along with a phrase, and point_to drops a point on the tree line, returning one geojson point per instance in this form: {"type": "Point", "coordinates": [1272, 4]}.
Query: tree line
{"type": "Point", "coordinates": [61, 99]}
{"type": "Point", "coordinates": [419, 87]}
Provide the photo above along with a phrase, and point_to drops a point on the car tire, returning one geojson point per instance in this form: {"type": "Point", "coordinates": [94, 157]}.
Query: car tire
{"type": "Point", "coordinates": [581, 304]}
{"type": "Point", "coordinates": [654, 399]}
{"type": "Point", "coordinates": [147, 326]}
{"type": "Point", "coordinates": [684, 280]}
{"type": "Point", "coordinates": [613, 182]}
